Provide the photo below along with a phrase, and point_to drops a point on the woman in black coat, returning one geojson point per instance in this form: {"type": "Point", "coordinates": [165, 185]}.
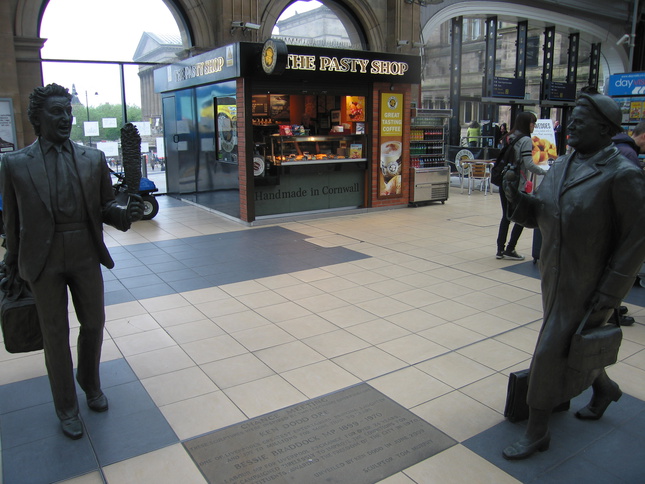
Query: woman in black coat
{"type": "Point", "coordinates": [590, 208]}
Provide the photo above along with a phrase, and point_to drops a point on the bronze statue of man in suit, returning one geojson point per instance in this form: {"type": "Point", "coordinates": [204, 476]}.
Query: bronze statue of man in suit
{"type": "Point", "coordinates": [57, 195]}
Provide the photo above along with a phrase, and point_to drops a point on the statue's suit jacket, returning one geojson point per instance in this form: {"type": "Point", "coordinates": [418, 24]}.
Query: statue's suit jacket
{"type": "Point", "coordinates": [27, 210]}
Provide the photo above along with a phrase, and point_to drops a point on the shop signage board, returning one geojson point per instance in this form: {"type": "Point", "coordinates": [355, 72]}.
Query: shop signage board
{"type": "Point", "coordinates": [313, 187]}
{"type": "Point", "coordinates": [247, 59]}
{"type": "Point", "coordinates": [391, 145]}
{"type": "Point", "coordinates": [334, 64]}
{"type": "Point", "coordinates": [214, 66]}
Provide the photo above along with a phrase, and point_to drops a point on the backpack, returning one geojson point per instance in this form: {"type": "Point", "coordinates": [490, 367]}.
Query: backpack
{"type": "Point", "coordinates": [504, 159]}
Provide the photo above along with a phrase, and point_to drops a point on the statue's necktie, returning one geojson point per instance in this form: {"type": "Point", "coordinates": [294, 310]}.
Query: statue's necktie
{"type": "Point", "coordinates": [64, 190]}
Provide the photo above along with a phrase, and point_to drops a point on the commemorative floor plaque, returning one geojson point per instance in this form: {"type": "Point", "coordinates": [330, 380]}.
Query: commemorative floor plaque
{"type": "Point", "coordinates": [356, 435]}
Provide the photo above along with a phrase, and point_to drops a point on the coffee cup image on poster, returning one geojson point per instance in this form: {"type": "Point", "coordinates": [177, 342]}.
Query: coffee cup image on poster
{"type": "Point", "coordinates": [391, 168]}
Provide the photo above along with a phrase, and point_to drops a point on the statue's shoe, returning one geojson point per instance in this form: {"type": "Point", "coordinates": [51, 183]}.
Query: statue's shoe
{"type": "Point", "coordinates": [599, 403]}
{"type": "Point", "coordinates": [72, 427]}
{"type": "Point", "coordinates": [523, 449]}
{"type": "Point", "coordinates": [97, 403]}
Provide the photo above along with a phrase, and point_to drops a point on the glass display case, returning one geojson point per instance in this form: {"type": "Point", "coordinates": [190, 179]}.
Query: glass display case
{"type": "Point", "coordinates": [305, 150]}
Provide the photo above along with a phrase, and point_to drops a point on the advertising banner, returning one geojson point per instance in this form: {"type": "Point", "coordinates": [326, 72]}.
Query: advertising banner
{"type": "Point", "coordinates": [544, 145]}
{"type": "Point", "coordinates": [630, 84]}
{"type": "Point", "coordinates": [391, 145]}
{"type": "Point", "coordinates": [7, 126]}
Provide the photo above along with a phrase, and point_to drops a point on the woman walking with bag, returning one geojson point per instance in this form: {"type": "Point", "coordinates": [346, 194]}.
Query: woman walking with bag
{"type": "Point", "coordinates": [590, 210]}
{"type": "Point", "coordinates": [522, 147]}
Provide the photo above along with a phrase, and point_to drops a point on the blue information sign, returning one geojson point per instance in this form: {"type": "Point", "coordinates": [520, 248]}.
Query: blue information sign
{"type": "Point", "coordinates": [629, 84]}
{"type": "Point", "coordinates": [508, 87]}
{"type": "Point", "coordinates": [561, 91]}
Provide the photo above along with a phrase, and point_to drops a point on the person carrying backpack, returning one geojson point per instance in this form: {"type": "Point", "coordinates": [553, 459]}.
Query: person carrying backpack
{"type": "Point", "coordinates": [522, 155]}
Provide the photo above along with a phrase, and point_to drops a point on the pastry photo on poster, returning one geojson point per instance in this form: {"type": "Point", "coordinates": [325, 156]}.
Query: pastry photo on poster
{"type": "Point", "coordinates": [391, 146]}
{"type": "Point", "coordinates": [544, 145]}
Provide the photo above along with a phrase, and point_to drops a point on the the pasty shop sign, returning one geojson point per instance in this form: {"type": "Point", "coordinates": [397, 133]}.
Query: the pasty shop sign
{"type": "Point", "coordinates": [323, 63]}
{"type": "Point", "coordinates": [311, 61]}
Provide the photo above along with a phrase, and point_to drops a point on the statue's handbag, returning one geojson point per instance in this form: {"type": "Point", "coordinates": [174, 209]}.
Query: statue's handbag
{"type": "Point", "coordinates": [19, 320]}
{"type": "Point", "coordinates": [596, 347]}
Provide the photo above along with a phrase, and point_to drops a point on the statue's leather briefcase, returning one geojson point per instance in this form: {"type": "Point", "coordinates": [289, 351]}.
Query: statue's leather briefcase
{"type": "Point", "coordinates": [516, 408]}
{"type": "Point", "coordinates": [20, 326]}
{"type": "Point", "coordinates": [18, 316]}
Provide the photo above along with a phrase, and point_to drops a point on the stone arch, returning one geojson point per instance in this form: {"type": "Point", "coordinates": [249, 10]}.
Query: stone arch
{"type": "Point", "coordinates": [27, 17]}
{"type": "Point", "coordinates": [194, 19]}
{"type": "Point", "coordinates": [613, 59]}
{"type": "Point", "coordinates": [364, 13]}
{"type": "Point", "coordinates": [189, 14]}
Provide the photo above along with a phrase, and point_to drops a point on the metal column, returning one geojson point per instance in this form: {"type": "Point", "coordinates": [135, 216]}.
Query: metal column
{"type": "Point", "coordinates": [456, 30]}
{"type": "Point", "coordinates": [489, 66]}
{"type": "Point", "coordinates": [572, 77]}
{"type": "Point", "coordinates": [594, 65]}
{"type": "Point", "coordinates": [520, 61]}
{"type": "Point", "coordinates": [547, 69]}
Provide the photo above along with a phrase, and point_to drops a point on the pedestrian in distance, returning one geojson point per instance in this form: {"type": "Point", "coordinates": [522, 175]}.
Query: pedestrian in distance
{"type": "Point", "coordinates": [520, 136]}
{"type": "Point", "coordinates": [473, 134]}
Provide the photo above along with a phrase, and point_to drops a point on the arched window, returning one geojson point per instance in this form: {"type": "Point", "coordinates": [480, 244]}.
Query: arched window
{"type": "Point", "coordinates": [105, 52]}
{"type": "Point", "coordinates": [319, 23]}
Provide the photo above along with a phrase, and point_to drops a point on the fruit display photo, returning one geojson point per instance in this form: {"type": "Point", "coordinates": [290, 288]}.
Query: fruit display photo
{"type": "Point", "coordinates": [544, 146]}
{"type": "Point", "coordinates": [543, 150]}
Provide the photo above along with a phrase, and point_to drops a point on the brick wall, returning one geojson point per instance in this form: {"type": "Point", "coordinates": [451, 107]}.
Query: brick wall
{"type": "Point", "coordinates": [241, 152]}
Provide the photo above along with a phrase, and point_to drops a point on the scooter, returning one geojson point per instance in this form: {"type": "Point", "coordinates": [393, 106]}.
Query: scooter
{"type": "Point", "coordinates": [146, 189]}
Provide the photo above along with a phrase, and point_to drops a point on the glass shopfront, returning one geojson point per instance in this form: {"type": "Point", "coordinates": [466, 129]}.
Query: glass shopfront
{"type": "Point", "coordinates": [311, 150]}
{"type": "Point", "coordinates": [252, 142]}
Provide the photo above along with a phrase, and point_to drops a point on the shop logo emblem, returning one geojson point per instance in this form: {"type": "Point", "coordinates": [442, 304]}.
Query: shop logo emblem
{"type": "Point", "coordinates": [392, 102]}
{"type": "Point", "coordinates": [274, 56]}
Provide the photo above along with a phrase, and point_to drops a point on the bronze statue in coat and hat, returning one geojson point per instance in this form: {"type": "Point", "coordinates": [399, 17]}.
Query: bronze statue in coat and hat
{"type": "Point", "coordinates": [590, 208]}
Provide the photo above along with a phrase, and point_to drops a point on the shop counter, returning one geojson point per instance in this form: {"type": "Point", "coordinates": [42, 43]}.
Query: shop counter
{"type": "Point", "coordinates": [323, 162]}
{"type": "Point", "coordinates": [302, 186]}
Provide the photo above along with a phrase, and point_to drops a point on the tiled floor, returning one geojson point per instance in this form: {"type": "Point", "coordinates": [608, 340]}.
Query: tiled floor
{"type": "Point", "coordinates": [211, 323]}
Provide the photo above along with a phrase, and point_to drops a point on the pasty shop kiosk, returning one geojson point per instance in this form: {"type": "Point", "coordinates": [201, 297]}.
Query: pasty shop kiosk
{"type": "Point", "coordinates": [256, 130]}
